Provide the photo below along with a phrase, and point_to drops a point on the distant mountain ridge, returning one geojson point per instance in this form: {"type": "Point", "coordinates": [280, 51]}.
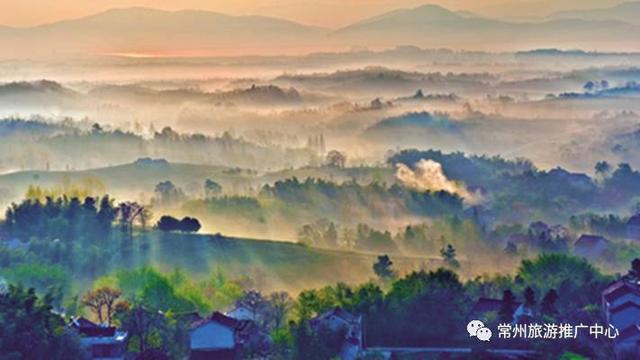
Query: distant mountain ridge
{"type": "Point", "coordinates": [145, 30]}
{"type": "Point", "coordinates": [627, 12]}
{"type": "Point", "coordinates": [435, 26]}
{"type": "Point", "coordinates": [195, 33]}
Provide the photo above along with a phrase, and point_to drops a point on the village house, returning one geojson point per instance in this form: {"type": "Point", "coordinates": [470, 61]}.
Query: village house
{"type": "Point", "coordinates": [485, 309]}
{"type": "Point", "coordinates": [621, 306]}
{"type": "Point", "coordinates": [221, 337]}
{"type": "Point", "coordinates": [99, 341]}
{"type": "Point", "coordinates": [558, 232]}
{"type": "Point", "coordinates": [488, 309]}
{"type": "Point", "coordinates": [242, 313]}
{"type": "Point", "coordinates": [523, 314]}
{"type": "Point", "coordinates": [536, 236]}
{"type": "Point", "coordinates": [633, 228]}
{"type": "Point", "coordinates": [339, 319]}
{"type": "Point", "coordinates": [590, 246]}
{"type": "Point", "coordinates": [538, 231]}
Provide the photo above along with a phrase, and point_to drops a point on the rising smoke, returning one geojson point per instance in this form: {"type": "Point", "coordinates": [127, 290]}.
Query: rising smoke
{"type": "Point", "coordinates": [428, 175]}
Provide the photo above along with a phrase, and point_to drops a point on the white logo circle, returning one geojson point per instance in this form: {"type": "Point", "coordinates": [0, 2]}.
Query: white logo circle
{"type": "Point", "coordinates": [473, 326]}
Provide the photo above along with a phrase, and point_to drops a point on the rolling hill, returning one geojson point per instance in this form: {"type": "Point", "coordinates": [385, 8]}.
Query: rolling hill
{"type": "Point", "coordinates": [416, 128]}
{"type": "Point", "coordinates": [254, 95]}
{"type": "Point", "coordinates": [130, 180]}
{"type": "Point", "coordinates": [37, 93]}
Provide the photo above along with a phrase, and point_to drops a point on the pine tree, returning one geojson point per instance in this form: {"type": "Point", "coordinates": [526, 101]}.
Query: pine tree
{"type": "Point", "coordinates": [448, 254]}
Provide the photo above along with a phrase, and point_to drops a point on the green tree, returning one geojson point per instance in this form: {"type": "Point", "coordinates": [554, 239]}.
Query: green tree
{"type": "Point", "coordinates": [168, 224]}
{"type": "Point", "coordinates": [167, 193]}
{"type": "Point", "coordinates": [602, 168]}
{"type": "Point", "coordinates": [570, 276]}
{"type": "Point", "coordinates": [368, 298]}
{"type": "Point", "coordinates": [448, 254]}
{"type": "Point", "coordinates": [30, 330]}
{"type": "Point", "coordinates": [331, 236]}
{"type": "Point", "coordinates": [422, 305]}
{"type": "Point", "coordinates": [634, 271]}
{"type": "Point", "coordinates": [146, 328]}
{"type": "Point", "coordinates": [319, 343]}
{"type": "Point", "coordinates": [52, 279]}
{"type": "Point", "coordinates": [189, 225]}
{"type": "Point", "coordinates": [313, 302]}
{"type": "Point", "coordinates": [211, 188]}
{"type": "Point", "coordinates": [384, 268]}
{"type": "Point", "coordinates": [106, 216]}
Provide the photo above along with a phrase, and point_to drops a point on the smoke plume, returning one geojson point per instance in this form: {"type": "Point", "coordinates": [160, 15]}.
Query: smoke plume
{"type": "Point", "coordinates": [429, 176]}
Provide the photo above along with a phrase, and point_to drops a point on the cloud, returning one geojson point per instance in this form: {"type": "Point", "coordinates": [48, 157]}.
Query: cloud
{"type": "Point", "coordinates": [429, 176]}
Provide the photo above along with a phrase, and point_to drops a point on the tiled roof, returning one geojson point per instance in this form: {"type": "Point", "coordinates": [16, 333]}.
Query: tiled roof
{"type": "Point", "coordinates": [485, 305]}
{"type": "Point", "coordinates": [588, 241]}
{"type": "Point", "coordinates": [220, 318]}
{"type": "Point", "coordinates": [618, 289]}
{"type": "Point", "coordinates": [337, 312]}
{"type": "Point", "coordinates": [82, 323]}
{"type": "Point", "coordinates": [624, 306]}
{"type": "Point", "coordinates": [628, 332]}
{"type": "Point", "coordinates": [634, 220]}
{"type": "Point", "coordinates": [91, 329]}
{"type": "Point", "coordinates": [538, 225]}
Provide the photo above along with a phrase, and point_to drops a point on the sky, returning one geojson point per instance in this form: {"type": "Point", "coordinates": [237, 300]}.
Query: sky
{"type": "Point", "coordinates": [325, 13]}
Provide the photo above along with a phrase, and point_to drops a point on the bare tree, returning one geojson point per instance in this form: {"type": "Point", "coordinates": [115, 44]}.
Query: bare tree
{"type": "Point", "coordinates": [281, 303]}
{"type": "Point", "coordinates": [101, 301]}
{"type": "Point", "coordinates": [128, 212]}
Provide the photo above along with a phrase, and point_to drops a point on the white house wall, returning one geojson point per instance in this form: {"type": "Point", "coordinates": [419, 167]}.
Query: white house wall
{"type": "Point", "coordinates": [212, 336]}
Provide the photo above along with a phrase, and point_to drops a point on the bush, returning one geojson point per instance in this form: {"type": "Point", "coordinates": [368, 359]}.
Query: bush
{"type": "Point", "coordinates": [168, 223]}
{"type": "Point", "coordinates": [187, 224]}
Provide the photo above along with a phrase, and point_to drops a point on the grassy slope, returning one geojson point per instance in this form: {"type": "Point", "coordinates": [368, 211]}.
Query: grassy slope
{"type": "Point", "coordinates": [274, 265]}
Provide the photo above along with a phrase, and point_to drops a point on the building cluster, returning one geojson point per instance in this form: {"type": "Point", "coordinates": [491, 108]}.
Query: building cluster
{"type": "Point", "coordinates": [100, 341]}
{"type": "Point", "coordinates": [593, 247]}
{"type": "Point", "coordinates": [219, 336]}
{"type": "Point", "coordinates": [229, 335]}
{"type": "Point", "coordinates": [621, 307]}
